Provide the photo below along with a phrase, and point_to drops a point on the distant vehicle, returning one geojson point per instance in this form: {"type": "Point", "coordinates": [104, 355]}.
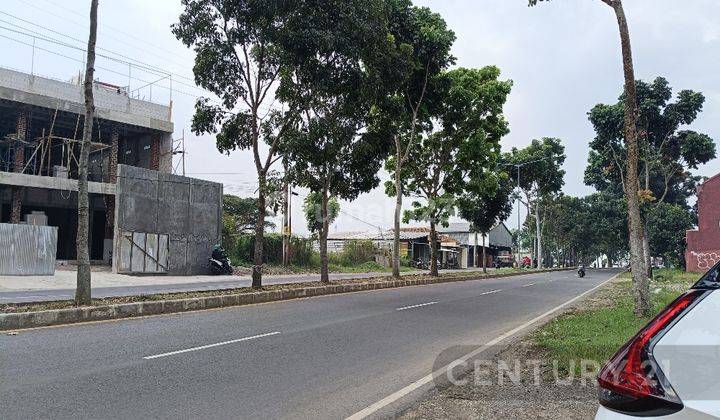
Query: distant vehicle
{"type": "Point", "coordinates": [671, 368]}
{"type": "Point", "coordinates": [581, 271]}
{"type": "Point", "coordinates": [504, 260]}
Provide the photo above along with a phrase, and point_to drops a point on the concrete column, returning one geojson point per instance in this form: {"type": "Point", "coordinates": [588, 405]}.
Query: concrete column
{"type": "Point", "coordinates": [18, 165]}
{"type": "Point", "coordinates": [110, 199]}
{"type": "Point", "coordinates": [112, 178]}
{"type": "Point", "coordinates": [155, 153]}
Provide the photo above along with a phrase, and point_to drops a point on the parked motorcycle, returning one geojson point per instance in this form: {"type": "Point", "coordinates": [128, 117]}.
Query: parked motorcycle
{"type": "Point", "coordinates": [219, 262]}
{"type": "Point", "coordinates": [581, 271]}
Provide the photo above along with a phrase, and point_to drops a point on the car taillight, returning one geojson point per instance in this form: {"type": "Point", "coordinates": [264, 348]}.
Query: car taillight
{"type": "Point", "coordinates": [631, 381]}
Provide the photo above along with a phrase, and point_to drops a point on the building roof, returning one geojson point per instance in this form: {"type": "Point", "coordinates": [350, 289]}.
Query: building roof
{"type": "Point", "coordinates": [346, 236]}
{"type": "Point", "coordinates": [455, 227]}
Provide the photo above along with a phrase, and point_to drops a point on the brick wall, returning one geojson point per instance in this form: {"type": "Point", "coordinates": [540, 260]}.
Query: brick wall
{"type": "Point", "coordinates": [703, 243]}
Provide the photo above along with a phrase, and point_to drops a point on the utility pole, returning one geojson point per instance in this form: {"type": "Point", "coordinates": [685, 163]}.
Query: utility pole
{"type": "Point", "coordinates": [183, 152]}
{"type": "Point", "coordinates": [286, 219]}
{"type": "Point", "coordinates": [518, 166]}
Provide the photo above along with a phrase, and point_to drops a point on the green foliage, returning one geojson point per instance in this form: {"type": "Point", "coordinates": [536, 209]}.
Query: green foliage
{"type": "Point", "coordinates": [542, 173]}
{"type": "Point", "coordinates": [301, 250]}
{"type": "Point", "coordinates": [313, 215]}
{"type": "Point", "coordinates": [486, 207]}
{"type": "Point", "coordinates": [456, 153]}
{"type": "Point", "coordinates": [239, 216]}
{"type": "Point", "coordinates": [236, 58]}
{"type": "Point", "coordinates": [597, 332]}
{"type": "Point", "coordinates": [357, 252]}
{"type": "Point", "coordinates": [666, 227]}
{"type": "Point", "coordinates": [333, 86]}
{"type": "Point", "coordinates": [667, 153]}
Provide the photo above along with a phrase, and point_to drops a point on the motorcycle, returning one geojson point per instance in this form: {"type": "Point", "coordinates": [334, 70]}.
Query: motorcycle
{"type": "Point", "coordinates": [219, 262]}
{"type": "Point", "coordinates": [581, 271]}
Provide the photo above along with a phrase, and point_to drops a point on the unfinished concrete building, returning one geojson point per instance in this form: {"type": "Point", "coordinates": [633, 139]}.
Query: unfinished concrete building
{"type": "Point", "coordinates": [41, 124]}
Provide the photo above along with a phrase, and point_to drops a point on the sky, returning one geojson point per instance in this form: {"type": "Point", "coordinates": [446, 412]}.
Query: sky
{"type": "Point", "coordinates": [563, 58]}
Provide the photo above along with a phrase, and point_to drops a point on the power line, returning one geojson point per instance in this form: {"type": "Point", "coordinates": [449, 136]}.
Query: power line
{"type": "Point", "coordinates": [85, 25]}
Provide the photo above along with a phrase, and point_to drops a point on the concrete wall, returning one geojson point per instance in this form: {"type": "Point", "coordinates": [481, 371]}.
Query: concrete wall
{"type": "Point", "coordinates": [110, 105]}
{"type": "Point", "coordinates": [188, 210]}
{"type": "Point", "coordinates": [27, 250]}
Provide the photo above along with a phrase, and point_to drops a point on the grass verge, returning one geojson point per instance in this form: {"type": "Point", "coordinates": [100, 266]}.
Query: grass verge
{"type": "Point", "coordinates": [605, 322]}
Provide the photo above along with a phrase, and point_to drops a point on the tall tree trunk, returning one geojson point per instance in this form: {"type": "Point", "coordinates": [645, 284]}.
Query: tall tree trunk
{"type": "Point", "coordinates": [259, 233]}
{"type": "Point", "coordinates": [483, 254]}
{"type": "Point", "coordinates": [83, 291]}
{"type": "Point", "coordinates": [433, 249]}
{"type": "Point", "coordinates": [324, 272]}
{"type": "Point", "coordinates": [641, 284]}
{"type": "Point", "coordinates": [538, 233]}
{"type": "Point", "coordinates": [476, 254]}
{"type": "Point", "coordinates": [396, 220]}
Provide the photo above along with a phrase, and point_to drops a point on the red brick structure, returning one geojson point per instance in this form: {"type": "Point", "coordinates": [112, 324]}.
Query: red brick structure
{"type": "Point", "coordinates": [703, 244]}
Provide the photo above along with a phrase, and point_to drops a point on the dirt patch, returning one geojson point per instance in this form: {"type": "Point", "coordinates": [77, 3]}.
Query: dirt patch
{"type": "Point", "coordinates": [536, 395]}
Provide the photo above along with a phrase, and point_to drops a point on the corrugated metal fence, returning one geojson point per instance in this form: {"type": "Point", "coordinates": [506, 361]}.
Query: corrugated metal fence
{"type": "Point", "coordinates": [27, 250]}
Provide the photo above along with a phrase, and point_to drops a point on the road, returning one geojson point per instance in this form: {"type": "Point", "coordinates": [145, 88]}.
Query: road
{"type": "Point", "coordinates": [324, 357]}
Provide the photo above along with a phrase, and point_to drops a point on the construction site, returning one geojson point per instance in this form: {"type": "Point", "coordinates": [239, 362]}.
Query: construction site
{"type": "Point", "coordinates": [140, 213]}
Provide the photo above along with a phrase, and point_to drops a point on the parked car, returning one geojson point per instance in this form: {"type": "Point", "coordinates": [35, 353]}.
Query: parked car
{"type": "Point", "coordinates": [671, 368]}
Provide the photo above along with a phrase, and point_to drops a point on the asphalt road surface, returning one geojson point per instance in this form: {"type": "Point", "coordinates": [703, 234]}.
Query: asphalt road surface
{"type": "Point", "coordinates": [324, 357]}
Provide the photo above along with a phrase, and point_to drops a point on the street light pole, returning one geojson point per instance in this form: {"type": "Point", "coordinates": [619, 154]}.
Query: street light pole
{"type": "Point", "coordinates": [518, 166]}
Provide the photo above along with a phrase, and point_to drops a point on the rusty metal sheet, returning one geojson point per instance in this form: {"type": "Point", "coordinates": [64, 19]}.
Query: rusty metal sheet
{"type": "Point", "coordinates": [27, 250]}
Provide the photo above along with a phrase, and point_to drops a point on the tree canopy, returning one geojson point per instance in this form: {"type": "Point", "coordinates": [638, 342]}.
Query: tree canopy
{"type": "Point", "coordinates": [458, 148]}
{"type": "Point", "coordinates": [667, 151]}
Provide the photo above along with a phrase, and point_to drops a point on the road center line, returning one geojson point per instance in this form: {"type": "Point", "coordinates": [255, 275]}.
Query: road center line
{"type": "Point", "coordinates": [211, 345]}
{"type": "Point", "coordinates": [528, 285]}
{"type": "Point", "coordinates": [491, 292]}
{"type": "Point", "coordinates": [415, 306]}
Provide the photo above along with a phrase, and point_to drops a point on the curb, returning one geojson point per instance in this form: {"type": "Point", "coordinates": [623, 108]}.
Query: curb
{"type": "Point", "coordinates": [24, 320]}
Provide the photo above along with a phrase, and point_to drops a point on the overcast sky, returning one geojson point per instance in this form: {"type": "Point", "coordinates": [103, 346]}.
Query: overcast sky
{"type": "Point", "coordinates": [563, 58]}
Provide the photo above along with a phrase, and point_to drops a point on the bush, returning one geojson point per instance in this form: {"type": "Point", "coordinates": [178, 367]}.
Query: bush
{"type": "Point", "coordinates": [301, 250]}
{"type": "Point", "coordinates": [356, 252]}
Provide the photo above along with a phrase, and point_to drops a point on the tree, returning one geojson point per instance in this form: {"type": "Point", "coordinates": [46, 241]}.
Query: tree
{"type": "Point", "coordinates": [485, 207]}
{"type": "Point", "coordinates": [238, 58]}
{"type": "Point", "coordinates": [540, 176]}
{"type": "Point", "coordinates": [609, 230]}
{"type": "Point", "coordinates": [83, 294]}
{"type": "Point", "coordinates": [667, 153]}
{"type": "Point", "coordinates": [422, 45]}
{"type": "Point", "coordinates": [667, 224]}
{"type": "Point", "coordinates": [641, 284]}
{"type": "Point", "coordinates": [458, 149]}
{"type": "Point", "coordinates": [239, 217]}
{"type": "Point", "coordinates": [335, 64]}
{"type": "Point", "coordinates": [312, 207]}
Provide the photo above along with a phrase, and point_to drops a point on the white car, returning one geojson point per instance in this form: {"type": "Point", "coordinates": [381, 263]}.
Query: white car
{"type": "Point", "coordinates": [671, 368]}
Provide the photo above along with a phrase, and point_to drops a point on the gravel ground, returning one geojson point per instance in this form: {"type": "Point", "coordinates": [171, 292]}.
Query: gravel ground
{"type": "Point", "coordinates": [523, 400]}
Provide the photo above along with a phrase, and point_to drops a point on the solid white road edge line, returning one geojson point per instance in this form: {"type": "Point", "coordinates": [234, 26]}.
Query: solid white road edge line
{"type": "Point", "coordinates": [211, 345]}
{"type": "Point", "coordinates": [415, 306]}
{"type": "Point", "coordinates": [367, 411]}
